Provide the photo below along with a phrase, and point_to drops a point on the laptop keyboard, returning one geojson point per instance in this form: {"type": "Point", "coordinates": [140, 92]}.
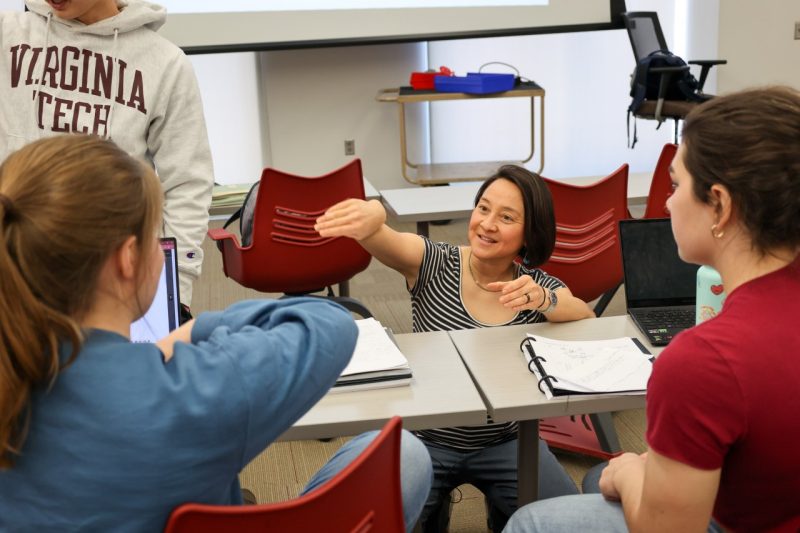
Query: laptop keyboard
{"type": "Point", "coordinates": [667, 318]}
{"type": "Point", "coordinates": [661, 325]}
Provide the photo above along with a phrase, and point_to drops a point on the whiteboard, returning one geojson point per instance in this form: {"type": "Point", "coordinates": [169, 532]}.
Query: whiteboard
{"type": "Point", "coordinates": [205, 26]}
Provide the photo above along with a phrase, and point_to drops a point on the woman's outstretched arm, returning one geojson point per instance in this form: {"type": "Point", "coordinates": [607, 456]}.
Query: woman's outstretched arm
{"type": "Point", "coordinates": [365, 221]}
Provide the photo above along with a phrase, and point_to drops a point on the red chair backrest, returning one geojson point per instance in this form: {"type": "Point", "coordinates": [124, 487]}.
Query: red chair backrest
{"type": "Point", "coordinates": [587, 254]}
{"type": "Point", "coordinates": [286, 254]}
{"type": "Point", "coordinates": [661, 185]}
{"type": "Point", "coordinates": [365, 496]}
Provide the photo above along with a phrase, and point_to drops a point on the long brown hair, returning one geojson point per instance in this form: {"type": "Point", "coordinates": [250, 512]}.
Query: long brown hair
{"type": "Point", "coordinates": [66, 203]}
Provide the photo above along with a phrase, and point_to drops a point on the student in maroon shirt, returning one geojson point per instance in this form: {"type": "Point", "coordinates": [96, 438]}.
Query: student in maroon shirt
{"type": "Point", "coordinates": [723, 398]}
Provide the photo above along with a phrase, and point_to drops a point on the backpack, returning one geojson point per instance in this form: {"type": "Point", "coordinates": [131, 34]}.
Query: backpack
{"type": "Point", "coordinates": [645, 84]}
{"type": "Point", "coordinates": [245, 215]}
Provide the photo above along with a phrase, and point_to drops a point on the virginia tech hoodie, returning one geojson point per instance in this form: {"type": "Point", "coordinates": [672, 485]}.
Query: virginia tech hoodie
{"type": "Point", "coordinates": [119, 79]}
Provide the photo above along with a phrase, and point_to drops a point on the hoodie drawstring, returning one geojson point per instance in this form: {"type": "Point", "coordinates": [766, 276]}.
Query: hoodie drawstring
{"type": "Point", "coordinates": [119, 82]}
{"type": "Point", "coordinates": [34, 135]}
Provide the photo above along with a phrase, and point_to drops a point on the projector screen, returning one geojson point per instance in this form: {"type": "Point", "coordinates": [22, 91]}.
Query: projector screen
{"type": "Point", "coordinates": [209, 26]}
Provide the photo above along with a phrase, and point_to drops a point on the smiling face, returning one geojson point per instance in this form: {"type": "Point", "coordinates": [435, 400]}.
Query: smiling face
{"type": "Point", "coordinates": [691, 218]}
{"type": "Point", "coordinates": [496, 227]}
{"type": "Point", "coordinates": [86, 11]}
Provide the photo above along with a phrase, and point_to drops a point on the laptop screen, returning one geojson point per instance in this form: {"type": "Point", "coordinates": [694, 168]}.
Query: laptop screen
{"type": "Point", "coordinates": [655, 275]}
{"type": "Point", "coordinates": [163, 315]}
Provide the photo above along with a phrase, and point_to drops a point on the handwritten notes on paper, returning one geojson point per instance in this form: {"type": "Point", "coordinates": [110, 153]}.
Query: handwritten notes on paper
{"type": "Point", "coordinates": [605, 366]}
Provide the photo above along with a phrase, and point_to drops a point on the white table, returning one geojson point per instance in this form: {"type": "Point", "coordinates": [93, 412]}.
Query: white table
{"type": "Point", "coordinates": [426, 204]}
{"type": "Point", "coordinates": [510, 391]}
{"type": "Point", "coordinates": [441, 394]}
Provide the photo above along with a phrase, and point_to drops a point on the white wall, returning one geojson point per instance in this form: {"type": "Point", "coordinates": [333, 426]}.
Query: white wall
{"type": "Point", "coordinates": [757, 39]}
{"type": "Point", "coordinates": [586, 80]}
{"type": "Point", "coordinates": [310, 101]}
{"type": "Point", "coordinates": [11, 5]}
{"type": "Point", "coordinates": [232, 101]}
{"type": "Point", "coordinates": [316, 99]}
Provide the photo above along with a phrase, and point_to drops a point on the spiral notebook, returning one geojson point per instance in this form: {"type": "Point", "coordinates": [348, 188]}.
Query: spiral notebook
{"type": "Point", "coordinates": [614, 366]}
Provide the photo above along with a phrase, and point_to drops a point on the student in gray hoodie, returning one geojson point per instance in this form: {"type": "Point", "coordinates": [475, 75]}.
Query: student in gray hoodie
{"type": "Point", "coordinates": [99, 67]}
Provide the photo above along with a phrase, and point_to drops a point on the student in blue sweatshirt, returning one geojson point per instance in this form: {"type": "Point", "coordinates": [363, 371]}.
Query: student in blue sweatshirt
{"type": "Point", "coordinates": [98, 433]}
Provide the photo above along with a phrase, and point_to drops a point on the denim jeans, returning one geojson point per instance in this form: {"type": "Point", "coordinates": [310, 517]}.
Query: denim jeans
{"type": "Point", "coordinates": [415, 471]}
{"type": "Point", "coordinates": [587, 512]}
{"type": "Point", "coordinates": [493, 471]}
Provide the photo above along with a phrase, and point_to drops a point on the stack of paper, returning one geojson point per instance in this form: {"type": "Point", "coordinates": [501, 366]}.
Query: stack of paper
{"type": "Point", "coordinates": [229, 195]}
{"type": "Point", "coordinates": [376, 361]}
{"type": "Point", "coordinates": [619, 366]}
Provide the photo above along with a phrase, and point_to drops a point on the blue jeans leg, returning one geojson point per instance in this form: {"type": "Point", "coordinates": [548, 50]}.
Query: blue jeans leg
{"type": "Point", "coordinates": [591, 480]}
{"type": "Point", "coordinates": [415, 471]}
{"type": "Point", "coordinates": [493, 470]}
{"type": "Point", "coordinates": [585, 512]}
{"type": "Point", "coordinates": [588, 512]}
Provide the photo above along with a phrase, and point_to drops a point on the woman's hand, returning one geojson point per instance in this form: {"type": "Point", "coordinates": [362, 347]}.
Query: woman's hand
{"type": "Point", "coordinates": [520, 293]}
{"type": "Point", "coordinates": [352, 218]}
{"type": "Point", "coordinates": [524, 293]}
{"type": "Point", "coordinates": [629, 462]}
{"type": "Point", "coordinates": [182, 334]}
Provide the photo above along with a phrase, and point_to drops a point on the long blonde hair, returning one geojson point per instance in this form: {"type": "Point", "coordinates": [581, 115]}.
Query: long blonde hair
{"type": "Point", "coordinates": [66, 203]}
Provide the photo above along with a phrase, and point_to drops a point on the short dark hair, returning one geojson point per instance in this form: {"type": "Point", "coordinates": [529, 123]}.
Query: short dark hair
{"type": "Point", "coordinates": [749, 142]}
{"type": "Point", "coordinates": [539, 231]}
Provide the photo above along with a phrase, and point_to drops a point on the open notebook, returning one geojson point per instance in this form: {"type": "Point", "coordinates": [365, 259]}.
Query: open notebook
{"type": "Point", "coordinates": [164, 313]}
{"type": "Point", "coordinates": [618, 366]}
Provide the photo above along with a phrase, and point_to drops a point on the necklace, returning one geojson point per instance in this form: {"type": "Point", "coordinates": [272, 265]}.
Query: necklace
{"type": "Point", "coordinates": [472, 274]}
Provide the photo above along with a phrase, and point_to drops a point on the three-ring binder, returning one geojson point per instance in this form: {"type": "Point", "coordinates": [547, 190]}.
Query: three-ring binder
{"type": "Point", "coordinates": [537, 360]}
{"type": "Point", "coordinates": [621, 362]}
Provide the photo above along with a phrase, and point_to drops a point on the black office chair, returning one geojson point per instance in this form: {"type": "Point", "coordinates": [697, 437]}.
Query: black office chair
{"type": "Point", "coordinates": [644, 32]}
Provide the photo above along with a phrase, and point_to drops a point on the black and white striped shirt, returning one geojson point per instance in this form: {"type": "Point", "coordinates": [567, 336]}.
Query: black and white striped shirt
{"type": "Point", "coordinates": [437, 305]}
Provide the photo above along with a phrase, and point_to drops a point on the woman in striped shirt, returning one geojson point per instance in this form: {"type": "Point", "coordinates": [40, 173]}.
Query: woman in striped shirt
{"type": "Point", "coordinates": [494, 281]}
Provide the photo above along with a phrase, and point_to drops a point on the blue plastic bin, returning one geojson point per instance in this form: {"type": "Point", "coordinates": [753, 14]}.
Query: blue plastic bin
{"type": "Point", "coordinates": [475, 83]}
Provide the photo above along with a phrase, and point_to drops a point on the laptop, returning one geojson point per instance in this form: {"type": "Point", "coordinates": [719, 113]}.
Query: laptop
{"type": "Point", "coordinates": [164, 313]}
{"type": "Point", "coordinates": [660, 288]}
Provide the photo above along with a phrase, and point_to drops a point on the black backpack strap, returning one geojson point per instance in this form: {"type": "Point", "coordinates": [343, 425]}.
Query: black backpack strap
{"type": "Point", "coordinates": [233, 218]}
{"type": "Point", "coordinates": [639, 86]}
{"type": "Point", "coordinates": [635, 137]}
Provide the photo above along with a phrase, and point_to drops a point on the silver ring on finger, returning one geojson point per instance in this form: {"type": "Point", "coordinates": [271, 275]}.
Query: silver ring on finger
{"type": "Point", "coordinates": [527, 298]}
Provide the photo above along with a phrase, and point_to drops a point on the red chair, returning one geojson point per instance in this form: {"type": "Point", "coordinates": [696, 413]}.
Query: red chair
{"type": "Point", "coordinates": [363, 497]}
{"type": "Point", "coordinates": [286, 254]}
{"type": "Point", "coordinates": [661, 185]}
{"type": "Point", "coordinates": [587, 257]}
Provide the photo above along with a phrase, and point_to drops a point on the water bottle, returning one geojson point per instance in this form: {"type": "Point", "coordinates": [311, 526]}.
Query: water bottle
{"type": "Point", "coordinates": [710, 294]}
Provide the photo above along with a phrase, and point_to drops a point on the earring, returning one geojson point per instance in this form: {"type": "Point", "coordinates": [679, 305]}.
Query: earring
{"type": "Point", "coordinates": [714, 232]}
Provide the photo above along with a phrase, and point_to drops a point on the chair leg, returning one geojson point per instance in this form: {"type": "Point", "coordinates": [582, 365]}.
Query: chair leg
{"type": "Point", "coordinates": [603, 424]}
{"type": "Point", "coordinates": [344, 288]}
{"type": "Point", "coordinates": [605, 299]}
{"type": "Point", "coordinates": [352, 305]}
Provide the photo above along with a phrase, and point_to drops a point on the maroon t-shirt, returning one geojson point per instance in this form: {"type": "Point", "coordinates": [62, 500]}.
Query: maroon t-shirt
{"type": "Point", "coordinates": [726, 394]}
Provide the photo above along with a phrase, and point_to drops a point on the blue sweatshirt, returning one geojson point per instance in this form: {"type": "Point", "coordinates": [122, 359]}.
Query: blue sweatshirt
{"type": "Point", "coordinates": [122, 438]}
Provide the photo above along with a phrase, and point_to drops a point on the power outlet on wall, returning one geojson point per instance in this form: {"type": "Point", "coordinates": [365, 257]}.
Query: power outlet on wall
{"type": "Point", "coordinates": [797, 31]}
{"type": "Point", "coordinates": [350, 147]}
